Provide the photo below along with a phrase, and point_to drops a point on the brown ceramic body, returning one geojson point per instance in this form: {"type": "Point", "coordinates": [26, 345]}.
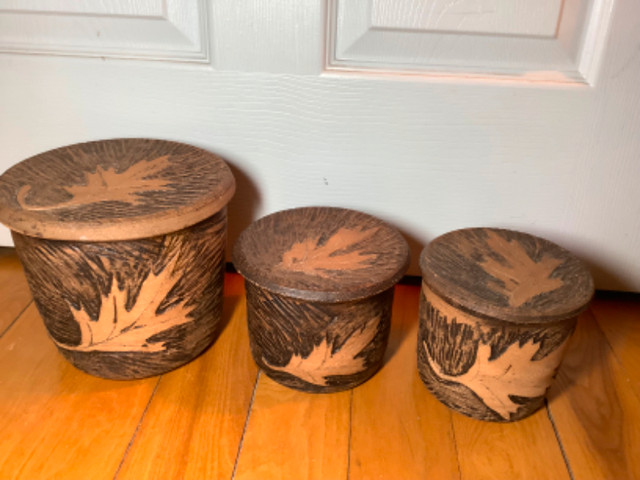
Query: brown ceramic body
{"type": "Point", "coordinates": [485, 368]}
{"type": "Point", "coordinates": [134, 308]}
{"type": "Point", "coordinates": [122, 242]}
{"type": "Point", "coordinates": [497, 309]}
{"type": "Point", "coordinates": [318, 347]}
{"type": "Point", "coordinates": [319, 292]}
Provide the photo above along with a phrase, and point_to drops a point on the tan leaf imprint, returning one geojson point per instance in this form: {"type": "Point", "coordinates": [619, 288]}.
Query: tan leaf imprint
{"type": "Point", "coordinates": [109, 185]}
{"type": "Point", "coordinates": [512, 373]}
{"type": "Point", "coordinates": [120, 330]}
{"type": "Point", "coordinates": [313, 259]}
{"type": "Point", "coordinates": [523, 277]}
{"type": "Point", "coordinates": [323, 363]}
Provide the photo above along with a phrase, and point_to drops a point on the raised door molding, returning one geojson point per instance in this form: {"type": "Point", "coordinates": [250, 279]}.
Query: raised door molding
{"type": "Point", "coordinates": [548, 40]}
{"type": "Point", "coordinates": [166, 30]}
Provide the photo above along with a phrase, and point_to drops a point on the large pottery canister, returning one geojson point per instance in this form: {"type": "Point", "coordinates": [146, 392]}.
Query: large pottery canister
{"type": "Point", "coordinates": [319, 293]}
{"type": "Point", "coordinates": [496, 312]}
{"type": "Point", "coordinates": [122, 242]}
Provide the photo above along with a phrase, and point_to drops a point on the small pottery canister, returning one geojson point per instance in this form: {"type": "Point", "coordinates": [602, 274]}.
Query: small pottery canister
{"type": "Point", "coordinates": [122, 242]}
{"type": "Point", "coordinates": [319, 292]}
{"type": "Point", "coordinates": [496, 312]}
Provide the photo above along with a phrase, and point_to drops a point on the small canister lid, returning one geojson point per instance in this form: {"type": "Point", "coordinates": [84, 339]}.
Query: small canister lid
{"type": "Point", "coordinates": [321, 254]}
{"type": "Point", "coordinates": [504, 274]}
{"type": "Point", "coordinates": [120, 189]}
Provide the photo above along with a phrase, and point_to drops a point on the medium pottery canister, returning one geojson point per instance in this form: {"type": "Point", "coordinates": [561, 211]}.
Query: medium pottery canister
{"type": "Point", "coordinates": [496, 312]}
{"type": "Point", "coordinates": [319, 286]}
{"type": "Point", "coordinates": [122, 242]}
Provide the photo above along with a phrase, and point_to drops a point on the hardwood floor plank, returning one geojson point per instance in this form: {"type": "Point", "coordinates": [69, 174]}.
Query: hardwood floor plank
{"type": "Point", "coordinates": [14, 291]}
{"type": "Point", "coordinates": [295, 435]}
{"type": "Point", "coordinates": [398, 429]}
{"type": "Point", "coordinates": [194, 423]}
{"type": "Point", "coordinates": [595, 411]}
{"type": "Point", "coordinates": [56, 421]}
{"type": "Point", "coordinates": [525, 449]}
{"type": "Point", "coordinates": [619, 320]}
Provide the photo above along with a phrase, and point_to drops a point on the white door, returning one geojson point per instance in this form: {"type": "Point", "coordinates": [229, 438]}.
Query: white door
{"type": "Point", "coordinates": [432, 114]}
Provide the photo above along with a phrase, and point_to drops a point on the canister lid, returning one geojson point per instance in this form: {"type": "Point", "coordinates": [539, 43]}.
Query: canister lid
{"type": "Point", "coordinates": [321, 254]}
{"type": "Point", "coordinates": [506, 274]}
{"type": "Point", "coordinates": [120, 189]}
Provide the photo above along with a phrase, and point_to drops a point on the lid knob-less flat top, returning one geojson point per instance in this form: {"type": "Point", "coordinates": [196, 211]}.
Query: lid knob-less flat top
{"type": "Point", "coordinates": [321, 254]}
{"type": "Point", "coordinates": [505, 274]}
{"type": "Point", "coordinates": [118, 189]}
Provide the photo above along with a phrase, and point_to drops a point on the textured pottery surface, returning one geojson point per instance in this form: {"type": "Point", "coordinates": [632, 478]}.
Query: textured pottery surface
{"type": "Point", "coordinates": [119, 189]}
{"type": "Point", "coordinates": [133, 308]}
{"type": "Point", "coordinates": [125, 288]}
{"type": "Point", "coordinates": [497, 309]}
{"type": "Point", "coordinates": [319, 293]}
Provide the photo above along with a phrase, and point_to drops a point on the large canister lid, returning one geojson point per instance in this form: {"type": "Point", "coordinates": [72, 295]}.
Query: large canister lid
{"type": "Point", "coordinates": [323, 254]}
{"type": "Point", "coordinates": [504, 274]}
{"type": "Point", "coordinates": [120, 189]}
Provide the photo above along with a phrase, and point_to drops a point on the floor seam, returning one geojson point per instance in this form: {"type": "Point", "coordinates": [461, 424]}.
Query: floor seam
{"type": "Point", "coordinates": [559, 440]}
{"type": "Point", "coordinates": [15, 320]}
{"type": "Point", "coordinates": [246, 425]}
{"type": "Point", "coordinates": [349, 439]}
{"type": "Point", "coordinates": [135, 433]}
{"type": "Point", "coordinates": [455, 445]}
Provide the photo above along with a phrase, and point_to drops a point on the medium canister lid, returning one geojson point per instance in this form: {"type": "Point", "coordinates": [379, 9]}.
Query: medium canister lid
{"type": "Point", "coordinates": [321, 254]}
{"type": "Point", "coordinates": [120, 189]}
{"type": "Point", "coordinates": [506, 274]}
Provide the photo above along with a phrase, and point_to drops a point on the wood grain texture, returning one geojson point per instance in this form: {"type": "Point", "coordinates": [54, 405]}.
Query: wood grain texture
{"type": "Point", "coordinates": [58, 422]}
{"type": "Point", "coordinates": [262, 51]}
{"type": "Point", "coordinates": [13, 285]}
{"type": "Point", "coordinates": [291, 434]}
{"type": "Point", "coordinates": [594, 407]}
{"type": "Point", "coordinates": [619, 320]}
{"type": "Point", "coordinates": [487, 369]}
{"type": "Point", "coordinates": [119, 189]}
{"type": "Point", "coordinates": [316, 346]}
{"type": "Point", "coordinates": [524, 450]}
{"type": "Point", "coordinates": [506, 274]}
{"type": "Point", "coordinates": [322, 254]}
{"type": "Point", "coordinates": [399, 431]}
{"type": "Point", "coordinates": [130, 309]}
{"type": "Point", "coordinates": [194, 423]}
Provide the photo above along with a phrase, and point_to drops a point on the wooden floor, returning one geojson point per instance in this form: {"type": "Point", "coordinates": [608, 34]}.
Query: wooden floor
{"type": "Point", "coordinates": [220, 418]}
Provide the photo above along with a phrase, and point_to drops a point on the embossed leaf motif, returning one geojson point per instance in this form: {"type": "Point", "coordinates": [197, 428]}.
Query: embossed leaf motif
{"type": "Point", "coordinates": [337, 253]}
{"type": "Point", "coordinates": [323, 362]}
{"type": "Point", "coordinates": [521, 278]}
{"type": "Point", "coordinates": [513, 373]}
{"type": "Point", "coordinates": [109, 185]}
{"type": "Point", "coordinates": [120, 330]}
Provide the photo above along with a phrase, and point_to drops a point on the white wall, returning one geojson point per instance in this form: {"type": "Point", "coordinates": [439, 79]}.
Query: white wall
{"type": "Point", "coordinates": [555, 153]}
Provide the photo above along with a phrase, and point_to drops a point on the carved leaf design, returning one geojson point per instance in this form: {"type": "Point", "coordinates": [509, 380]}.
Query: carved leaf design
{"type": "Point", "coordinates": [312, 258]}
{"type": "Point", "coordinates": [109, 185]}
{"type": "Point", "coordinates": [512, 373]}
{"type": "Point", "coordinates": [120, 330]}
{"type": "Point", "coordinates": [522, 278]}
{"type": "Point", "coordinates": [323, 362]}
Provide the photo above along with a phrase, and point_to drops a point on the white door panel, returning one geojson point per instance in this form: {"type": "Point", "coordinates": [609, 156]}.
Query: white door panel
{"type": "Point", "coordinates": [169, 30]}
{"type": "Point", "coordinates": [517, 17]}
{"type": "Point", "coordinates": [429, 152]}
{"type": "Point", "coordinates": [552, 40]}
